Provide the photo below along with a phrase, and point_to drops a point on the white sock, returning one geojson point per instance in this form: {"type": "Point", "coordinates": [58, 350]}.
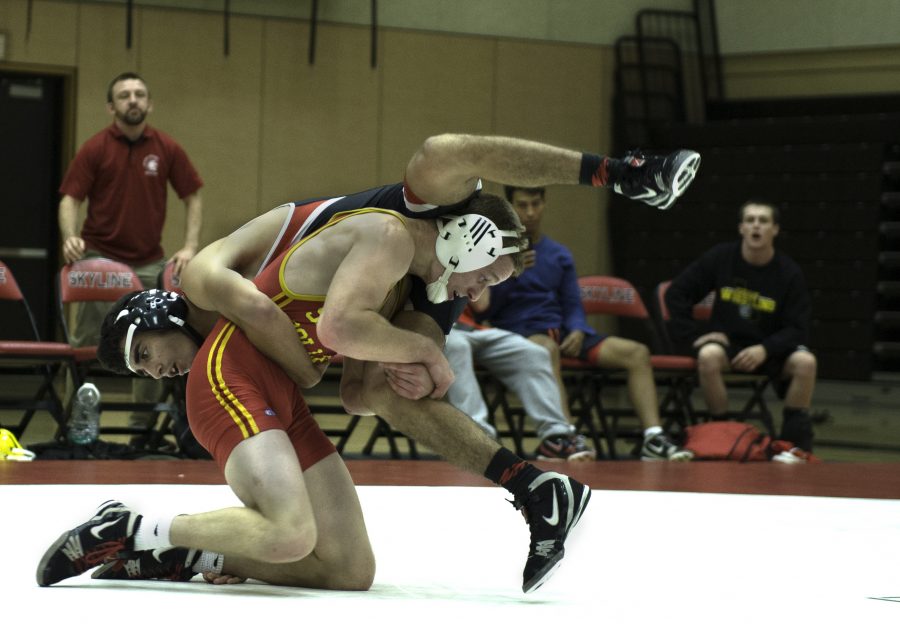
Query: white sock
{"type": "Point", "coordinates": [153, 533]}
{"type": "Point", "coordinates": [649, 432]}
{"type": "Point", "coordinates": [209, 562]}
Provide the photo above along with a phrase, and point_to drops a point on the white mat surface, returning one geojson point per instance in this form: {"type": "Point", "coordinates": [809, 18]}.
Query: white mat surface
{"type": "Point", "coordinates": [449, 554]}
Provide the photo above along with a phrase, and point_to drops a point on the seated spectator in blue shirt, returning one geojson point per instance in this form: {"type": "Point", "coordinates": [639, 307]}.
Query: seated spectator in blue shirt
{"type": "Point", "coordinates": [544, 305]}
{"type": "Point", "coordinates": [522, 366]}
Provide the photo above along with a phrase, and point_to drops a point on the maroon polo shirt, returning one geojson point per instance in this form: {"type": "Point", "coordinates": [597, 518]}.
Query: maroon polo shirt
{"type": "Point", "coordinates": [125, 184]}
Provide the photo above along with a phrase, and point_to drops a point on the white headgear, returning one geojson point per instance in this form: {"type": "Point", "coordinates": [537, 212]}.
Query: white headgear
{"type": "Point", "coordinates": [467, 243]}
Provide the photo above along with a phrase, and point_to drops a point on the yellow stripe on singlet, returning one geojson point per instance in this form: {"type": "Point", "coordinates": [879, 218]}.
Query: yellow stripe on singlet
{"type": "Point", "coordinates": [242, 418]}
{"type": "Point", "coordinates": [334, 220]}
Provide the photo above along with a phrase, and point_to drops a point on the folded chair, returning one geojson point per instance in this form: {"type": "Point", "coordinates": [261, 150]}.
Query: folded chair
{"type": "Point", "coordinates": [755, 407]}
{"type": "Point", "coordinates": [168, 280]}
{"type": "Point", "coordinates": [100, 279]}
{"type": "Point", "coordinates": [27, 355]}
{"type": "Point", "coordinates": [617, 297]}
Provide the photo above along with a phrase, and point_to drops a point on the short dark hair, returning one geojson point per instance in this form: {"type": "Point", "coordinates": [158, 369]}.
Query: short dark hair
{"type": "Point", "coordinates": [120, 78]}
{"type": "Point", "coordinates": [531, 190]}
{"type": "Point", "coordinates": [109, 350]}
{"type": "Point", "coordinates": [504, 217]}
{"type": "Point", "coordinates": [776, 213]}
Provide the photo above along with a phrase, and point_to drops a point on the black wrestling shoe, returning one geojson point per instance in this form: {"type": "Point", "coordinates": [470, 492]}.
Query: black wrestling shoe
{"type": "Point", "coordinates": [654, 180]}
{"type": "Point", "coordinates": [110, 531]}
{"type": "Point", "coordinates": [168, 564]}
{"type": "Point", "coordinates": [552, 508]}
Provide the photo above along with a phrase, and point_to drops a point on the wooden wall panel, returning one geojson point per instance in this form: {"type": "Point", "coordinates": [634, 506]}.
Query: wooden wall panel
{"type": "Point", "coordinates": [102, 55]}
{"type": "Point", "coordinates": [431, 85]}
{"type": "Point", "coordinates": [263, 126]}
{"type": "Point", "coordinates": [320, 122]}
{"type": "Point", "coordinates": [53, 36]}
{"type": "Point", "coordinates": [561, 94]}
{"type": "Point", "coordinates": [211, 104]}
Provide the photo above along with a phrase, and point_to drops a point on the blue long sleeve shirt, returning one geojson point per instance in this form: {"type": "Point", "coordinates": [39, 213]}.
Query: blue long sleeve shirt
{"type": "Point", "coordinates": [546, 296]}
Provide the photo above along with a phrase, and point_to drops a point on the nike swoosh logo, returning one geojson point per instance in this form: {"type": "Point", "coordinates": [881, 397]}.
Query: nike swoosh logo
{"type": "Point", "coordinates": [157, 552]}
{"type": "Point", "coordinates": [95, 531]}
{"type": "Point", "coordinates": [650, 193]}
{"type": "Point", "coordinates": [553, 520]}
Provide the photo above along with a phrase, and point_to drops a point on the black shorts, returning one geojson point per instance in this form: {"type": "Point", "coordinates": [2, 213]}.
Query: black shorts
{"type": "Point", "coordinates": [772, 367]}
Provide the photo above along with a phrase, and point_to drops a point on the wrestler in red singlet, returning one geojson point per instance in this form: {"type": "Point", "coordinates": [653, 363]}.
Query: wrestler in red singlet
{"type": "Point", "coordinates": [230, 375]}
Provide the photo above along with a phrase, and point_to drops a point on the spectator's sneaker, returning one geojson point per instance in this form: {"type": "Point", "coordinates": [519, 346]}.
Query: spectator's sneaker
{"type": "Point", "coordinates": [169, 564]}
{"type": "Point", "coordinates": [566, 448]}
{"type": "Point", "coordinates": [661, 448]}
{"type": "Point", "coordinates": [784, 452]}
{"type": "Point", "coordinates": [654, 180]}
{"type": "Point", "coordinates": [109, 532]}
{"type": "Point", "coordinates": [552, 508]}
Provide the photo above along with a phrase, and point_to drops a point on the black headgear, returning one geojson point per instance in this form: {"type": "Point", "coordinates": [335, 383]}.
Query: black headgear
{"type": "Point", "coordinates": [154, 310]}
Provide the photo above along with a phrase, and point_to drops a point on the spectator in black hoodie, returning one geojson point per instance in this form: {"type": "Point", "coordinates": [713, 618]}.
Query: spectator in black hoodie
{"type": "Point", "coordinates": [759, 323]}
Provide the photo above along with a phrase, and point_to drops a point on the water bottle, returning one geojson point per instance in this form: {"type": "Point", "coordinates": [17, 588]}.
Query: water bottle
{"type": "Point", "coordinates": [85, 421]}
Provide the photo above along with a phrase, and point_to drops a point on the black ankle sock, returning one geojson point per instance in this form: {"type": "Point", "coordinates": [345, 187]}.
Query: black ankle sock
{"type": "Point", "coordinates": [794, 413]}
{"type": "Point", "coordinates": [511, 472]}
{"type": "Point", "coordinates": [594, 170]}
{"type": "Point", "coordinates": [796, 427]}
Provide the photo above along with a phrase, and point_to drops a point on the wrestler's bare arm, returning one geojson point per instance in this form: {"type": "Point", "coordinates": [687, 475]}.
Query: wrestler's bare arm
{"type": "Point", "coordinates": [351, 324]}
{"type": "Point", "coordinates": [351, 388]}
{"type": "Point", "coordinates": [446, 168]}
{"type": "Point", "coordinates": [218, 279]}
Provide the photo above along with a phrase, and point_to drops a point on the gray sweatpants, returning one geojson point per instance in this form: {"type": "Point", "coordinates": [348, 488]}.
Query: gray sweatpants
{"type": "Point", "coordinates": [521, 365]}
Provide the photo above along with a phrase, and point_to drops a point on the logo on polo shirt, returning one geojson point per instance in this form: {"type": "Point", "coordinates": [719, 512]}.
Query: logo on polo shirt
{"type": "Point", "coordinates": [151, 165]}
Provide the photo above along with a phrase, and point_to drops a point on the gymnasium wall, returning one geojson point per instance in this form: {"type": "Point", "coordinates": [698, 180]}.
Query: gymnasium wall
{"type": "Point", "coordinates": [854, 71]}
{"type": "Point", "coordinates": [263, 126]}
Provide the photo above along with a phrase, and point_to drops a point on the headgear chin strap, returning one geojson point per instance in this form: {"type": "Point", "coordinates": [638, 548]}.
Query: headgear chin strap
{"type": "Point", "coordinates": [155, 309]}
{"type": "Point", "coordinates": [466, 243]}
